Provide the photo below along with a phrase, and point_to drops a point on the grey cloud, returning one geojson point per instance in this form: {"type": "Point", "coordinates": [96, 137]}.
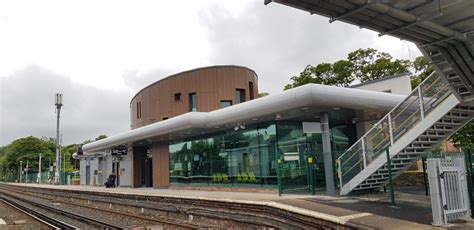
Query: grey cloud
{"type": "Point", "coordinates": [278, 41]}
{"type": "Point", "coordinates": [137, 81]}
{"type": "Point", "coordinates": [27, 107]}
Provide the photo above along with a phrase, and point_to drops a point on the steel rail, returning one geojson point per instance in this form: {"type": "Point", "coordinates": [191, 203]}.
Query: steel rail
{"type": "Point", "coordinates": [243, 213]}
{"type": "Point", "coordinates": [71, 215]}
{"type": "Point", "coordinates": [36, 215]}
{"type": "Point", "coordinates": [161, 220]}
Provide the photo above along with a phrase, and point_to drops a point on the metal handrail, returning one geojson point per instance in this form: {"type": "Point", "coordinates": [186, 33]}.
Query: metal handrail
{"type": "Point", "coordinates": [388, 114]}
{"type": "Point", "coordinates": [388, 117]}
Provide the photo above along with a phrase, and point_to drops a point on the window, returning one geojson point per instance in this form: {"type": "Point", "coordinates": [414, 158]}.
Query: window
{"type": "Point", "coordinates": [139, 110]}
{"type": "Point", "coordinates": [239, 96]}
{"type": "Point", "coordinates": [251, 90]}
{"type": "Point", "coordinates": [230, 156]}
{"type": "Point", "coordinates": [177, 97]}
{"type": "Point", "coordinates": [165, 118]}
{"type": "Point", "coordinates": [192, 102]}
{"type": "Point", "coordinates": [225, 103]}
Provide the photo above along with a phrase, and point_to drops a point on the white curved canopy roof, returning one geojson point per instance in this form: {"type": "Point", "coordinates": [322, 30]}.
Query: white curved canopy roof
{"type": "Point", "coordinates": [311, 95]}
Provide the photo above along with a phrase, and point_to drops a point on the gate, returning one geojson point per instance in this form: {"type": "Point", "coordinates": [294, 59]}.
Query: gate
{"type": "Point", "coordinates": [448, 189]}
{"type": "Point", "coordinates": [295, 165]}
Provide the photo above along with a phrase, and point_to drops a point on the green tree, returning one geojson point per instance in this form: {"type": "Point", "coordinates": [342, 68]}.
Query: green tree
{"type": "Point", "coordinates": [363, 65]}
{"type": "Point", "coordinates": [370, 64]}
{"type": "Point", "coordinates": [464, 138]}
{"type": "Point", "coordinates": [422, 69]}
{"type": "Point", "coordinates": [100, 137]}
{"type": "Point", "coordinates": [26, 150]}
{"type": "Point", "coordinates": [70, 163]}
{"type": "Point", "coordinates": [263, 94]}
{"type": "Point", "coordinates": [338, 73]}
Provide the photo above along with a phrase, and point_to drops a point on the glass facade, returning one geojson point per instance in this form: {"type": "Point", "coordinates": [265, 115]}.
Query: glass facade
{"type": "Point", "coordinates": [253, 156]}
{"type": "Point", "coordinates": [244, 157]}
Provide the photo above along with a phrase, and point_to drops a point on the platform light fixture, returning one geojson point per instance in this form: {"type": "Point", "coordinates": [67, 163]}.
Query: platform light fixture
{"type": "Point", "coordinates": [239, 126]}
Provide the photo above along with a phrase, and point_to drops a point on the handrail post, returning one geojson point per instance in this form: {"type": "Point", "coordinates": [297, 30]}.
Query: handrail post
{"type": "Point", "coordinates": [420, 101]}
{"type": "Point", "coordinates": [390, 131]}
{"type": "Point", "coordinates": [390, 180]}
{"type": "Point", "coordinates": [340, 172]}
{"type": "Point", "coordinates": [363, 152]}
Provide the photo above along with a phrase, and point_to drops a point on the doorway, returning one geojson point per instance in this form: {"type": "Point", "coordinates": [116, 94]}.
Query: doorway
{"type": "Point", "coordinates": [148, 171]}
{"type": "Point", "coordinates": [100, 174]}
{"type": "Point", "coordinates": [88, 174]}
{"type": "Point", "coordinates": [116, 171]}
{"type": "Point", "coordinates": [300, 159]}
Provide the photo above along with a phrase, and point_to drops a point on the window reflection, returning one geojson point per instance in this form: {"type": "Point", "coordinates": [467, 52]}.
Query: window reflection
{"type": "Point", "coordinates": [238, 158]}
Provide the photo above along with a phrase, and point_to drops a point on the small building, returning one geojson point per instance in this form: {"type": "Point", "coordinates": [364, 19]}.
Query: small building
{"type": "Point", "coordinates": [206, 128]}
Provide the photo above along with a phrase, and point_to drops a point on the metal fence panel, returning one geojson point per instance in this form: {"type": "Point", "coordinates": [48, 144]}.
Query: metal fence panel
{"type": "Point", "coordinates": [448, 189]}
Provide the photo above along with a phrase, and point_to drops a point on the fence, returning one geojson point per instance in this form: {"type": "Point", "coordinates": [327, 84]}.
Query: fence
{"type": "Point", "coordinates": [448, 189]}
{"type": "Point", "coordinates": [43, 178]}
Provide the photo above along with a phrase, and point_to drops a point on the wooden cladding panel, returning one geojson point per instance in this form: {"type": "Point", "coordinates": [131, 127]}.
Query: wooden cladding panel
{"type": "Point", "coordinates": [161, 164]}
{"type": "Point", "coordinates": [211, 85]}
{"type": "Point", "coordinates": [137, 170]}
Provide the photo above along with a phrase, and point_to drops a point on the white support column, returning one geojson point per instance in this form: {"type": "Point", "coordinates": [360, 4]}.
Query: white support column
{"type": "Point", "coordinates": [328, 163]}
{"type": "Point", "coordinates": [435, 193]}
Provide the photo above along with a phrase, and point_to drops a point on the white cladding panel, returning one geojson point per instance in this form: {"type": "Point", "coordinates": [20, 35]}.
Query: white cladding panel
{"type": "Point", "coordinates": [396, 85]}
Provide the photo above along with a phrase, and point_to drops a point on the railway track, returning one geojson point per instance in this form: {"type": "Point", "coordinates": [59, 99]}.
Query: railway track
{"type": "Point", "coordinates": [94, 221]}
{"type": "Point", "coordinates": [179, 213]}
{"type": "Point", "coordinates": [90, 200]}
{"type": "Point", "coordinates": [11, 208]}
{"type": "Point", "coordinates": [44, 213]}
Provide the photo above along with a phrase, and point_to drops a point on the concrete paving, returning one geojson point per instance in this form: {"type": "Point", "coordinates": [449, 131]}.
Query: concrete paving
{"type": "Point", "coordinates": [364, 212]}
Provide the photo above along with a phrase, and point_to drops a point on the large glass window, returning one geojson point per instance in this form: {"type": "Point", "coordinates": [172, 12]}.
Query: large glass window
{"type": "Point", "coordinates": [235, 158]}
{"type": "Point", "coordinates": [249, 157]}
{"type": "Point", "coordinates": [192, 102]}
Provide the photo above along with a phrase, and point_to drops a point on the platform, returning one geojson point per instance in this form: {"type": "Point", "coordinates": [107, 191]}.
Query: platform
{"type": "Point", "coordinates": [358, 212]}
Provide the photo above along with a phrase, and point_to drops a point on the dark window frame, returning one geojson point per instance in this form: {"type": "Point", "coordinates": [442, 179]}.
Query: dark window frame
{"type": "Point", "coordinates": [192, 103]}
{"type": "Point", "coordinates": [240, 95]}
{"type": "Point", "coordinates": [177, 97]}
{"type": "Point", "coordinates": [221, 101]}
{"type": "Point", "coordinates": [251, 93]}
{"type": "Point", "coordinates": [139, 109]}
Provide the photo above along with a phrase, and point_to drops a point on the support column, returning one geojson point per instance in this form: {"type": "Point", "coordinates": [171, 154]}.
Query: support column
{"type": "Point", "coordinates": [328, 164]}
{"type": "Point", "coordinates": [161, 164]}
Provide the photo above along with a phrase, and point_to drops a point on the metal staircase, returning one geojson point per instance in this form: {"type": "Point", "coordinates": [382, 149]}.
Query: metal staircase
{"type": "Point", "coordinates": [428, 116]}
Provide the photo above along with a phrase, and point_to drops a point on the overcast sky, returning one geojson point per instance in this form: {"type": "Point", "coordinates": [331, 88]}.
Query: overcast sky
{"type": "Point", "coordinates": [100, 53]}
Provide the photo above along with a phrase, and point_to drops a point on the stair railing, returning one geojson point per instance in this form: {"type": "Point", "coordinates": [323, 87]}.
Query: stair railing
{"type": "Point", "coordinates": [412, 110]}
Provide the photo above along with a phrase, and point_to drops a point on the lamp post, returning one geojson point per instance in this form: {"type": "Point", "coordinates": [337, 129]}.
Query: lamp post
{"type": "Point", "coordinates": [58, 103]}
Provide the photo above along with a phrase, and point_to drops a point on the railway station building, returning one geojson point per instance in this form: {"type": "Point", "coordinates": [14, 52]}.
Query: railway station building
{"type": "Point", "coordinates": [207, 127]}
